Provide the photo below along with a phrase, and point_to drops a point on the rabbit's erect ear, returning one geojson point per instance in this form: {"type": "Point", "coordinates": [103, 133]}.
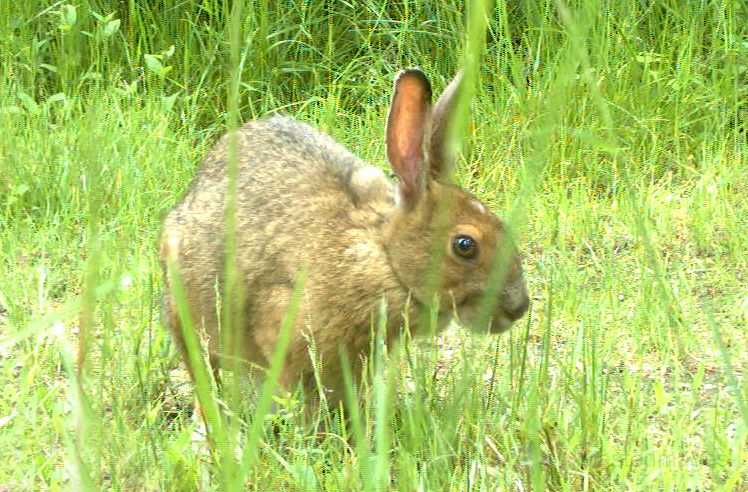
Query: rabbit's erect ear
{"type": "Point", "coordinates": [441, 157]}
{"type": "Point", "coordinates": [406, 131]}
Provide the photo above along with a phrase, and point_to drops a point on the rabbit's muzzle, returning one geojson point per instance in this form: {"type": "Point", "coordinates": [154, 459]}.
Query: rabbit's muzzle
{"type": "Point", "coordinates": [512, 304]}
{"type": "Point", "coordinates": [514, 300]}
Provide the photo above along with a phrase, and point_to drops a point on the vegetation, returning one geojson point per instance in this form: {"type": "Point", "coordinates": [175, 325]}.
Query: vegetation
{"type": "Point", "coordinates": [612, 134]}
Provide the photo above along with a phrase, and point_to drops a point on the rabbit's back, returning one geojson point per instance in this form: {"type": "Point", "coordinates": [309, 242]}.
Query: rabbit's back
{"type": "Point", "coordinates": [282, 164]}
{"type": "Point", "coordinates": [293, 183]}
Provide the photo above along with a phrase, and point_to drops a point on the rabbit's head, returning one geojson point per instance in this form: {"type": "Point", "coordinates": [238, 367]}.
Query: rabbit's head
{"type": "Point", "coordinates": [477, 273]}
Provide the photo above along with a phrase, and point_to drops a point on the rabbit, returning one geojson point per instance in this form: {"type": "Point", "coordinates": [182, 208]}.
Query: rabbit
{"type": "Point", "coordinates": [301, 200]}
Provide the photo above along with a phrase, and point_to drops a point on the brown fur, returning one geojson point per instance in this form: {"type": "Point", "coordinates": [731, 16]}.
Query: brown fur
{"type": "Point", "coordinates": [304, 199]}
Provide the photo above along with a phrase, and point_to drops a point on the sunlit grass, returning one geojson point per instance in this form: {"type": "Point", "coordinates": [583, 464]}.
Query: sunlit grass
{"type": "Point", "coordinates": [613, 135]}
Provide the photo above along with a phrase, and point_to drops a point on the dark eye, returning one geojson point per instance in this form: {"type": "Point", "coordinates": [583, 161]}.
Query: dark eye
{"type": "Point", "coordinates": [464, 246]}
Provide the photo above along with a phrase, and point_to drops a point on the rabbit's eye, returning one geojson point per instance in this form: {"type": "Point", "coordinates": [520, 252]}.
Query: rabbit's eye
{"type": "Point", "coordinates": [464, 246]}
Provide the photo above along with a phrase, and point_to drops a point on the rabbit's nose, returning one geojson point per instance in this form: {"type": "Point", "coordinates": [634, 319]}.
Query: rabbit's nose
{"type": "Point", "coordinates": [518, 307]}
{"type": "Point", "coordinates": [515, 300]}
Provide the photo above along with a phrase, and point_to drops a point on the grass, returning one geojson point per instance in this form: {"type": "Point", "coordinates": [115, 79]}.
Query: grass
{"type": "Point", "coordinates": [612, 134]}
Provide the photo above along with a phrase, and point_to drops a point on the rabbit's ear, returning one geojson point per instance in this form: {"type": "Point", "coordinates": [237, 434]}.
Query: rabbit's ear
{"type": "Point", "coordinates": [406, 131]}
{"type": "Point", "coordinates": [441, 157]}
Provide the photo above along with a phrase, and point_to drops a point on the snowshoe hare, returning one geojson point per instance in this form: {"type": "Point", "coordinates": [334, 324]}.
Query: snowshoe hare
{"type": "Point", "coordinates": [303, 199]}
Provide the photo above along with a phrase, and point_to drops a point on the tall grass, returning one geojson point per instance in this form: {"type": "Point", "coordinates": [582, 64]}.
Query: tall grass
{"type": "Point", "coordinates": [612, 134]}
